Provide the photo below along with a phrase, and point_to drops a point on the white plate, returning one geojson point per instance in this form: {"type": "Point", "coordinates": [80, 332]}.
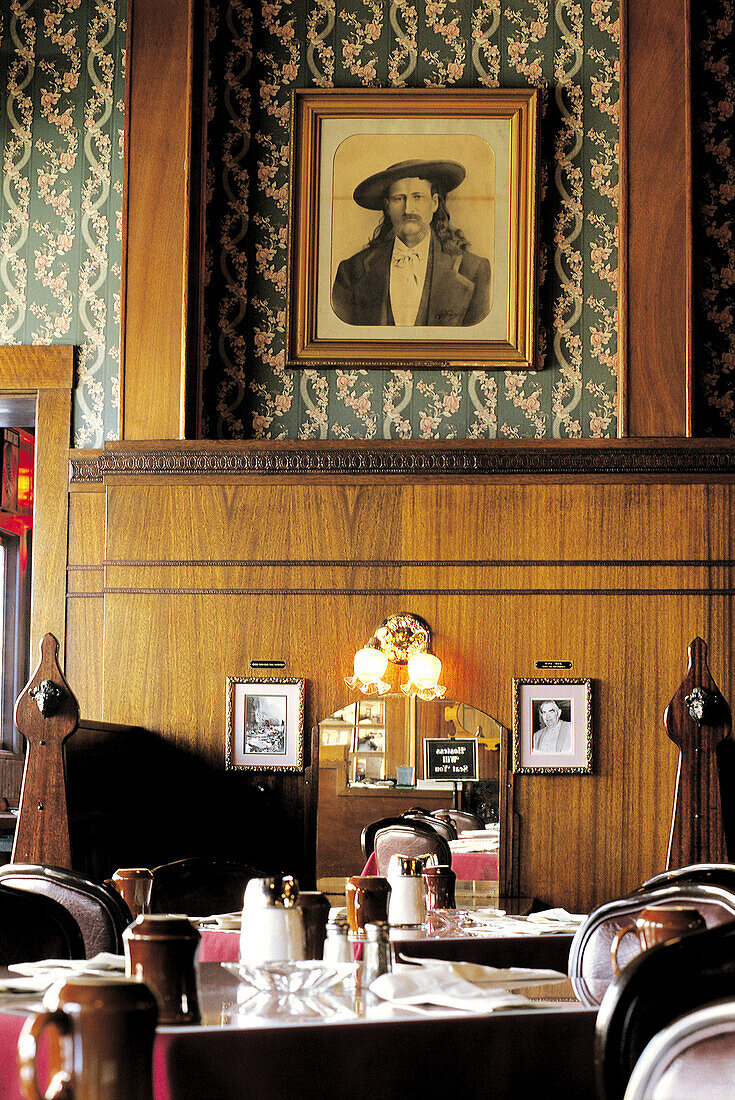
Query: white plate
{"type": "Point", "coordinates": [292, 977]}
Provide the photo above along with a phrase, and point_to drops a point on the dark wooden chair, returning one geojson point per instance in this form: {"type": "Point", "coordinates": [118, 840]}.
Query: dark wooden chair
{"type": "Point", "coordinates": [34, 927]}
{"type": "Point", "coordinates": [590, 963]}
{"type": "Point", "coordinates": [200, 885]}
{"type": "Point", "coordinates": [698, 1047]}
{"type": "Point", "coordinates": [652, 991]}
{"type": "Point", "coordinates": [99, 911]}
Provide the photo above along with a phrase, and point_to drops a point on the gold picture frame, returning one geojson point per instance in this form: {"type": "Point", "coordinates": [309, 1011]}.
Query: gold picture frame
{"type": "Point", "coordinates": [479, 149]}
{"type": "Point", "coordinates": [552, 726]}
{"type": "Point", "coordinates": [265, 724]}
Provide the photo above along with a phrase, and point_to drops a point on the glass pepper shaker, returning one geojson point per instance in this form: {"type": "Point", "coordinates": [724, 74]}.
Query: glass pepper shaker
{"type": "Point", "coordinates": [377, 956]}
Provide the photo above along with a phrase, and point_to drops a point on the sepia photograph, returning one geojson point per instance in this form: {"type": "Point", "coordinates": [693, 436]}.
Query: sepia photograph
{"type": "Point", "coordinates": [412, 228]}
{"type": "Point", "coordinates": [552, 725]}
{"type": "Point", "coordinates": [265, 724]}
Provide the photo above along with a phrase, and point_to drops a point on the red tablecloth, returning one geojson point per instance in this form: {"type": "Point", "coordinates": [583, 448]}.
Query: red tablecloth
{"type": "Point", "coordinates": [468, 866]}
{"type": "Point", "coordinates": [10, 1027]}
{"type": "Point", "coordinates": [219, 945]}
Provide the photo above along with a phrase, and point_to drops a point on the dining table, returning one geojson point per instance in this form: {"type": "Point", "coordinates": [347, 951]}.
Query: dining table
{"type": "Point", "coordinates": [348, 1042]}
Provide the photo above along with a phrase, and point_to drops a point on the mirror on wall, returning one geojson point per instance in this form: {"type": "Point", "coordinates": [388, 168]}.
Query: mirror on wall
{"type": "Point", "coordinates": [371, 765]}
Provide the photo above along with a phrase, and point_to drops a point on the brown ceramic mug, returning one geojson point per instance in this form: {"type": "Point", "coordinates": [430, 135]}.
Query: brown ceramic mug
{"type": "Point", "coordinates": [439, 884]}
{"type": "Point", "coordinates": [160, 950]}
{"type": "Point", "coordinates": [104, 1031]}
{"type": "Point", "coordinates": [134, 884]}
{"type": "Point", "coordinates": [657, 924]}
{"type": "Point", "coordinates": [367, 901]}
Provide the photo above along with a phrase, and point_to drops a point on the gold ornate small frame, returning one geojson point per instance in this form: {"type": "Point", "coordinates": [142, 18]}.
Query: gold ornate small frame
{"type": "Point", "coordinates": [552, 726]}
{"type": "Point", "coordinates": [265, 724]}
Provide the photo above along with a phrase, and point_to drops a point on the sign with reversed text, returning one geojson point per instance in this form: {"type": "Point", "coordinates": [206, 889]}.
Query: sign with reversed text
{"type": "Point", "coordinates": [450, 759]}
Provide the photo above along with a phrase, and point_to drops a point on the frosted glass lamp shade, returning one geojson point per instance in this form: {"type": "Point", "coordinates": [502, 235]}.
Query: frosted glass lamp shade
{"type": "Point", "coordinates": [424, 669]}
{"type": "Point", "coordinates": [370, 664]}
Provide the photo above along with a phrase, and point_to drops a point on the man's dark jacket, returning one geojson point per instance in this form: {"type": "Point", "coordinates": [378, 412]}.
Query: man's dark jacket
{"type": "Point", "coordinates": [456, 291]}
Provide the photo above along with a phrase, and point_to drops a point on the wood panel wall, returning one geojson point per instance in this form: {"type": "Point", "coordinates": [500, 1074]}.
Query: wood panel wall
{"type": "Point", "coordinates": [187, 579]}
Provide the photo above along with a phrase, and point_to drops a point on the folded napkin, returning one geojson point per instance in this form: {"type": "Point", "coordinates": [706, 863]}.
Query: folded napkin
{"type": "Point", "coordinates": [556, 915]}
{"type": "Point", "coordinates": [447, 987]}
{"type": "Point", "coordinates": [507, 976]}
{"type": "Point", "coordinates": [550, 922]}
{"type": "Point", "coordinates": [36, 983]}
{"type": "Point", "coordinates": [102, 964]}
{"type": "Point", "coordinates": [222, 921]}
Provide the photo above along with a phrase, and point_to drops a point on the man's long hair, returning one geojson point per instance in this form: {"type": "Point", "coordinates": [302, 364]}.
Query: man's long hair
{"type": "Point", "coordinates": [453, 241]}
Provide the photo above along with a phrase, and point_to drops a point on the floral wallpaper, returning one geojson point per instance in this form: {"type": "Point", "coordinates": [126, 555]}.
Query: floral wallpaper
{"type": "Point", "coordinates": [713, 35]}
{"type": "Point", "coordinates": [61, 130]}
{"type": "Point", "coordinates": [61, 136]}
{"type": "Point", "coordinates": [570, 51]}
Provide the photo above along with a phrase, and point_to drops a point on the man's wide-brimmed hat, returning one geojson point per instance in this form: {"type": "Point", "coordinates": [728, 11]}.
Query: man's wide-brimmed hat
{"type": "Point", "coordinates": [446, 174]}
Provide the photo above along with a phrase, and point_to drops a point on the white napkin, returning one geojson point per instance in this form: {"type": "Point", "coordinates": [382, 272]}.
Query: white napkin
{"type": "Point", "coordinates": [550, 922]}
{"type": "Point", "coordinates": [36, 983]}
{"type": "Point", "coordinates": [220, 921]}
{"type": "Point", "coordinates": [101, 964]}
{"type": "Point", "coordinates": [480, 975]}
{"type": "Point", "coordinates": [447, 987]}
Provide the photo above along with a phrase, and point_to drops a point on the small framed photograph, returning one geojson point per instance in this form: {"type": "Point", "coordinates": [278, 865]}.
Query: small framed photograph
{"type": "Point", "coordinates": [265, 724]}
{"type": "Point", "coordinates": [552, 726]}
{"type": "Point", "coordinates": [412, 228]}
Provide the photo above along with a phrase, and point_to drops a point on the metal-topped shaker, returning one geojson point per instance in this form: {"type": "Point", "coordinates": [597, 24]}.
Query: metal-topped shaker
{"type": "Point", "coordinates": [377, 957]}
{"type": "Point", "coordinates": [272, 923]}
{"type": "Point", "coordinates": [407, 905]}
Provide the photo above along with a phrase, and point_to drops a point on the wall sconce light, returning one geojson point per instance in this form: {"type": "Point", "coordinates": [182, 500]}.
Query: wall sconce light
{"type": "Point", "coordinates": [424, 670]}
{"type": "Point", "coordinates": [401, 639]}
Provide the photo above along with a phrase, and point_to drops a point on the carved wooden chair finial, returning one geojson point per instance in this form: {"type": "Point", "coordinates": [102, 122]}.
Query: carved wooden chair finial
{"type": "Point", "coordinates": [698, 720]}
{"type": "Point", "coordinates": [46, 713]}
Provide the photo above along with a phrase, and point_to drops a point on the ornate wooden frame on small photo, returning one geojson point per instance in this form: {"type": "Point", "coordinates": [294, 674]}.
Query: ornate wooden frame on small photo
{"type": "Point", "coordinates": [552, 726]}
{"type": "Point", "coordinates": [265, 724]}
{"type": "Point", "coordinates": [345, 304]}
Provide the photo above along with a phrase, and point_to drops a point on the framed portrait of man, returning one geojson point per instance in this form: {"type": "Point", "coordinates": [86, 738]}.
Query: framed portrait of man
{"type": "Point", "coordinates": [552, 725]}
{"type": "Point", "coordinates": [412, 228]}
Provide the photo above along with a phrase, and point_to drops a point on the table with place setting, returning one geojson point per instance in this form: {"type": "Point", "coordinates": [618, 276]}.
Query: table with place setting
{"type": "Point", "coordinates": [498, 1032]}
{"type": "Point", "coordinates": [488, 936]}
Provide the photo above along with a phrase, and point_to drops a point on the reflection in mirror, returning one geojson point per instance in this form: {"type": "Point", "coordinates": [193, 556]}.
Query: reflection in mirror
{"type": "Point", "coordinates": [371, 765]}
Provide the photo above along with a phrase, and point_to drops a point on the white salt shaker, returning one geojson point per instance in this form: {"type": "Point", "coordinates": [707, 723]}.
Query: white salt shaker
{"type": "Point", "coordinates": [272, 927]}
{"type": "Point", "coordinates": [407, 903]}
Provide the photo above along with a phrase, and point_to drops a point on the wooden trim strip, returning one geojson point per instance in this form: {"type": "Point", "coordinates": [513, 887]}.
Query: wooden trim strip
{"type": "Point", "coordinates": [416, 563]}
{"type": "Point", "coordinates": [600, 458]}
{"type": "Point", "coordinates": [406, 592]}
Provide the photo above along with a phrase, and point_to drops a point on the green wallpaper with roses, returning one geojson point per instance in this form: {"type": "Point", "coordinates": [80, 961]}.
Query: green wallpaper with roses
{"type": "Point", "coordinates": [61, 133]}
{"type": "Point", "coordinates": [570, 51]}
{"type": "Point", "coordinates": [61, 124]}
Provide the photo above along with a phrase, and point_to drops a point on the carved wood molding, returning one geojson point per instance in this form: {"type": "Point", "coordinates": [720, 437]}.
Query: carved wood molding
{"type": "Point", "coordinates": [531, 458]}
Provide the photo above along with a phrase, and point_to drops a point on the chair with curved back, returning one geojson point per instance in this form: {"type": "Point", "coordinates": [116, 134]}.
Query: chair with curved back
{"type": "Point", "coordinates": [409, 838]}
{"type": "Point", "coordinates": [590, 962]}
{"type": "Point", "coordinates": [462, 820]}
{"type": "Point", "coordinates": [660, 986]}
{"type": "Point", "coordinates": [201, 885]}
{"type": "Point", "coordinates": [34, 927]}
{"type": "Point", "coordinates": [99, 911]}
{"type": "Point", "coordinates": [698, 1046]}
{"type": "Point", "coordinates": [714, 874]}
{"type": "Point", "coordinates": [443, 828]}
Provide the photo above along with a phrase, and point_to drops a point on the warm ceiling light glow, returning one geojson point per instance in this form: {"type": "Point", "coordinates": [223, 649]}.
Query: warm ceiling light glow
{"type": "Point", "coordinates": [370, 666]}
{"type": "Point", "coordinates": [424, 670]}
